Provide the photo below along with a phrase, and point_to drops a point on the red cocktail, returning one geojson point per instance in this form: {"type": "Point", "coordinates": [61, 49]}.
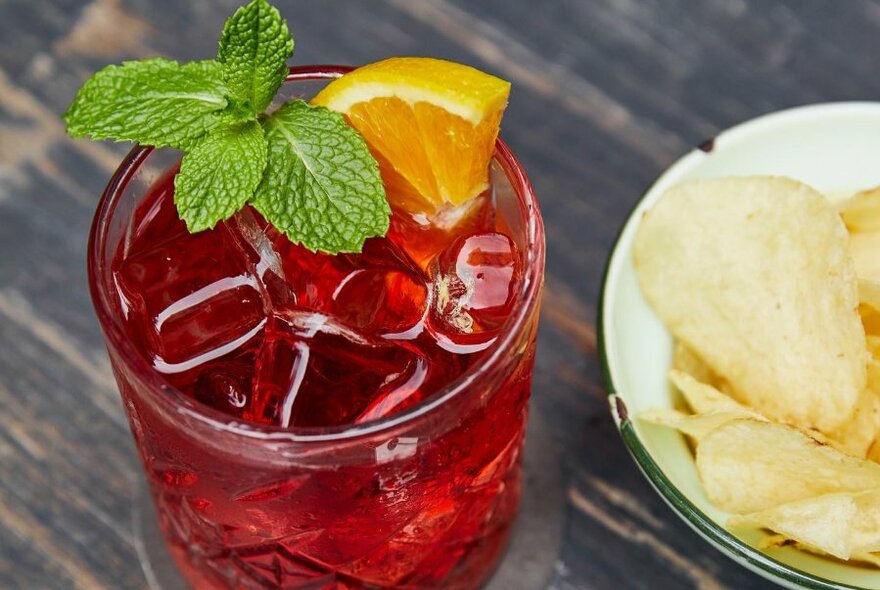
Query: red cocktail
{"type": "Point", "coordinates": [316, 421]}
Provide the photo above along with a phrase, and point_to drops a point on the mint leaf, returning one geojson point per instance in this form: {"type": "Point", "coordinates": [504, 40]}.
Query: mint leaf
{"type": "Point", "coordinates": [254, 50]}
{"type": "Point", "coordinates": [304, 168]}
{"type": "Point", "coordinates": [156, 102]}
{"type": "Point", "coordinates": [219, 175]}
{"type": "Point", "coordinates": [321, 186]}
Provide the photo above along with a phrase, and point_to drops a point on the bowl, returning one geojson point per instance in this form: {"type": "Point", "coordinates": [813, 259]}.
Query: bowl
{"type": "Point", "coordinates": [833, 147]}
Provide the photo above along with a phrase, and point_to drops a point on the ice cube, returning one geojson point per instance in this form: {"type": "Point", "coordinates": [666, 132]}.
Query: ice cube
{"type": "Point", "coordinates": [474, 287]}
{"type": "Point", "coordinates": [384, 292]}
{"type": "Point", "coordinates": [382, 300]}
{"type": "Point", "coordinates": [280, 369]}
{"type": "Point", "coordinates": [379, 291]}
{"type": "Point", "coordinates": [192, 297]}
{"type": "Point", "coordinates": [314, 370]}
{"type": "Point", "coordinates": [399, 391]}
{"type": "Point", "coordinates": [313, 276]}
{"type": "Point", "coordinates": [250, 233]}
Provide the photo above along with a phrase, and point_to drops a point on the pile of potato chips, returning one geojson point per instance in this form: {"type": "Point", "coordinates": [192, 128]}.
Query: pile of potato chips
{"type": "Point", "coordinates": [772, 292]}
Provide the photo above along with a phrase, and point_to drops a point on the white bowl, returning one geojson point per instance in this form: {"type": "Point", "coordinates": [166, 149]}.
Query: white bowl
{"type": "Point", "coordinates": [836, 149]}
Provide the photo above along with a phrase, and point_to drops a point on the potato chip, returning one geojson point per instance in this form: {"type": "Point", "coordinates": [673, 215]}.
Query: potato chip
{"type": "Point", "coordinates": [865, 251]}
{"type": "Point", "coordinates": [857, 435]}
{"type": "Point", "coordinates": [687, 361]}
{"type": "Point", "coordinates": [755, 274]}
{"type": "Point", "coordinates": [873, 342]}
{"type": "Point", "coordinates": [749, 466]}
{"type": "Point", "coordinates": [703, 398]}
{"type": "Point", "coordinates": [870, 320]}
{"type": "Point", "coordinates": [840, 524]}
{"type": "Point", "coordinates": [775, 540]}
{"type": "Point", "coordinates": [868, 558]}
{"type": "Point", "coordinates": [713, 408]}
{"type": "Point", "coordinates": [869, 293]}
{"type": "Point", "coordinates": [696, 426]}
{"type": "Point", "coordinates": [861, 212]}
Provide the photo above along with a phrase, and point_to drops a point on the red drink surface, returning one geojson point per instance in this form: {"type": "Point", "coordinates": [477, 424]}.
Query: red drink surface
{"type": "Point", "coordinates": [242, 320]}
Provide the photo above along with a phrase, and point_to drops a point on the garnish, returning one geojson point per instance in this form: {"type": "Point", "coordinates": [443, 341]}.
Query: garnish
{"type": "Point", "coordinates": [303, 167]}
{"type": "Point", "coordinates": [315, 159]}
{"type": "Point", "coordinates": [432, 124]}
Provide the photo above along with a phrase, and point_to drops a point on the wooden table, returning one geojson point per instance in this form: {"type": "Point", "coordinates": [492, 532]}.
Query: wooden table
{"type": "Point", "coordinates": [607, 93]}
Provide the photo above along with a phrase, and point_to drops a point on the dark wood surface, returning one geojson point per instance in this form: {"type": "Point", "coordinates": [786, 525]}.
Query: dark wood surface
{"type": "Point", "coordinates": [607, 93]}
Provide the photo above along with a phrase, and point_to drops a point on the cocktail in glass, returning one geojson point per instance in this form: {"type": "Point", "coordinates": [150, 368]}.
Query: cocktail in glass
{"type": "Point", "coordinates": [316, 421]}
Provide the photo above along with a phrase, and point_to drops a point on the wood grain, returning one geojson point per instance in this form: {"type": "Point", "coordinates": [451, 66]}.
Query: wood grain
{"type": "Point", "coordinates": [606, 94]}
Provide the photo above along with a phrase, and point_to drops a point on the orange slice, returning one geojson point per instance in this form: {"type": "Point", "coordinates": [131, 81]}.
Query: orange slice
{"type": "Point", "coordinates": [431, 124]}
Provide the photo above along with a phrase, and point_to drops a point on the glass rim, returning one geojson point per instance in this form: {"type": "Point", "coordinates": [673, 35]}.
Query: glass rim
{"type": "Point", "coordinates": [172, 398]}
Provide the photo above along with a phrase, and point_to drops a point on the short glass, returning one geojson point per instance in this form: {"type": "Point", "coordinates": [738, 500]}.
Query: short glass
{"type": "Point", "coordinates": [421, 499]}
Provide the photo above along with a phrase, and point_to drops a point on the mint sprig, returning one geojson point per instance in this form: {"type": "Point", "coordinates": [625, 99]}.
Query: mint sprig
{"type": "Point", "coordinates": [308, 172]}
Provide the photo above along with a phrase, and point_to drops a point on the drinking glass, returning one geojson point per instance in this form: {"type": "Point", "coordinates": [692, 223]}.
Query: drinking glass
{"type": "Point", "coordinates": [420, 499]}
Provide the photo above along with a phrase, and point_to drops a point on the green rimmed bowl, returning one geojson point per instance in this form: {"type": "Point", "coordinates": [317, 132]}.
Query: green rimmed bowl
{"type": "Point", "coordinates": [836, 149]}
